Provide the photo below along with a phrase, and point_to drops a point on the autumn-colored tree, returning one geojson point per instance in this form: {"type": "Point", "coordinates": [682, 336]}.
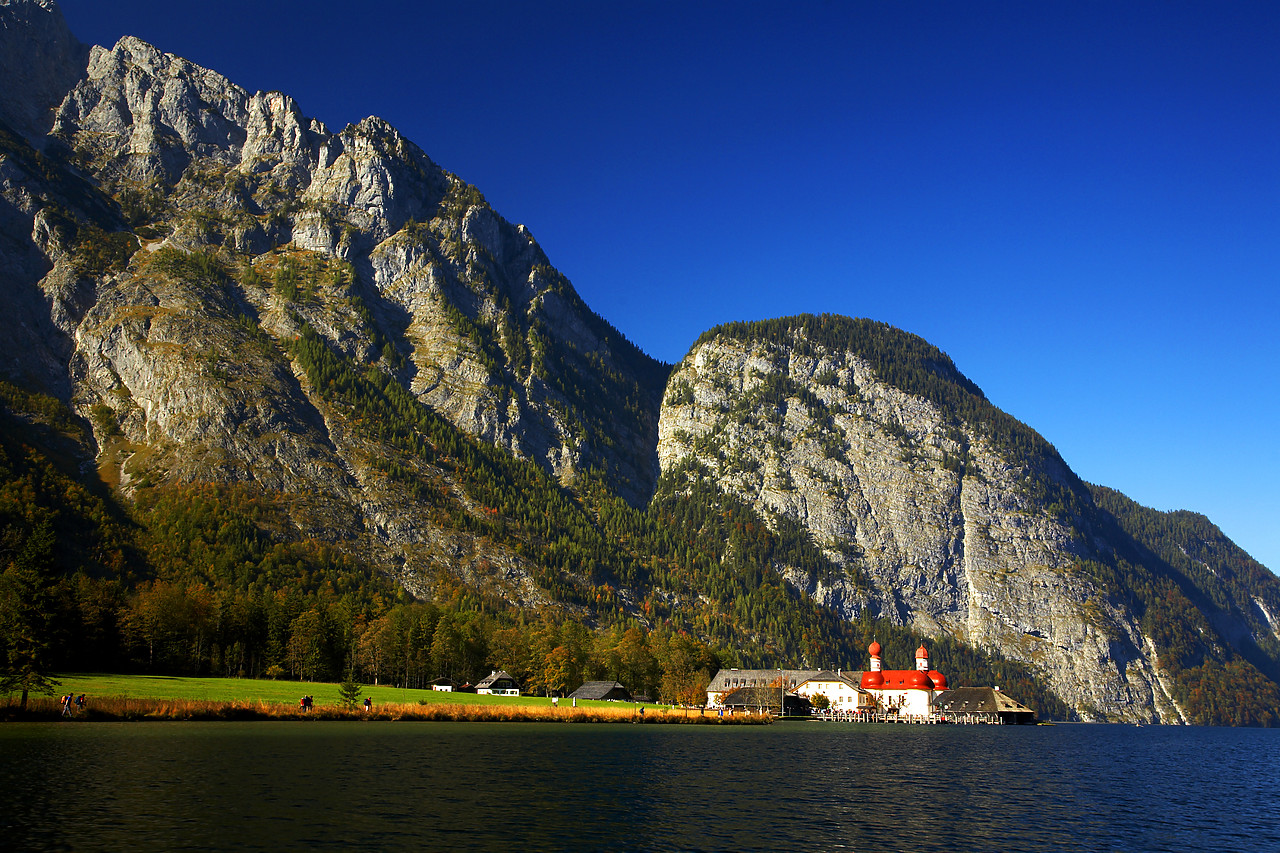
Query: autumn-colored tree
{"type": "Point", "coordinates": [308, 646]}
{"type": "Point", "coordinates": [171, 622]}
{"type": "Point", "coordinates": [509, 651]}
{"type": "Point", "coordinates": [687, 666]}
{"type": "Point", "coordinates": [562, 672]}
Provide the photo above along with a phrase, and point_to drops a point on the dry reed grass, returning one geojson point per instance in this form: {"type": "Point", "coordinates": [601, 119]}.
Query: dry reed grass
{"type": "Point", "coordinates": [118, 709]}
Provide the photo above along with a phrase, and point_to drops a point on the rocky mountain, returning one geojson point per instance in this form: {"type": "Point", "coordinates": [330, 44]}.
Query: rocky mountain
{"type": "Point", "coordinates": [222, 291]}
{"type": "Point", "coordinates": [942, 512]}
{"type": "Point", "coordinates": [175, 231]}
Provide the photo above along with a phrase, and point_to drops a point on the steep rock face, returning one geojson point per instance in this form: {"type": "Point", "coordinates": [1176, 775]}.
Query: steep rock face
{"type": "Point", "coordinates": [162, 294]}
{"type": "Point", "coordinates": [40, 60]}
{"type": "Point", "coordinates": [496, 339]}
{"type": "Point", "coordinates": [930, 518]}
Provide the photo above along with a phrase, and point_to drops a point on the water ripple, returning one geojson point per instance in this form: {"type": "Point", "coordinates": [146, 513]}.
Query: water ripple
{"type": "Point", "coordinates": [541, 787]}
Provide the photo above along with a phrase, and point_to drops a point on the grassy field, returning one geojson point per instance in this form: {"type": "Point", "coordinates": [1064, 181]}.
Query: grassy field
{"type": "Point", "coordinates": [148, 697]}
{"type": "Point", "coordinates": [260, 690]}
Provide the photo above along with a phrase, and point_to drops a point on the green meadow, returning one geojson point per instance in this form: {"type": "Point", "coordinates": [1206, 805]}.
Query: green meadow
{"type": "Point", "coordinates": [285, 692]}
{"type": "Point", "coordinates": [152, 697]}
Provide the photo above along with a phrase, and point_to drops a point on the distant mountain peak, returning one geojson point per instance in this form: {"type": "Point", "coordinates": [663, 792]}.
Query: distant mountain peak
{"type": "Point", "coordinates": [40, 60]}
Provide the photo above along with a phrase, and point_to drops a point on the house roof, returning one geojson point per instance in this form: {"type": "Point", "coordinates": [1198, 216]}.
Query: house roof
{"type": "Point", "coordinates": [851, 679]}
{"type": "Point", "coordinates": [732, 679]}
{"type": "Point", "coordinates": [599, 690]}
{"type": "Point", "coordinates": [978, 700]}
{"type": "Point", "coordinates": [494, 677]}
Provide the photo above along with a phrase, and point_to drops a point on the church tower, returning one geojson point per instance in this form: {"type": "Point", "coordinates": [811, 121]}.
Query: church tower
{"type": "Point", "coordinates": [873, 679]}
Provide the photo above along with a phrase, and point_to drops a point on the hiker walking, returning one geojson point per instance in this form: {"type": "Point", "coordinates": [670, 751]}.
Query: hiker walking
{"type": "Point", "coordinates": [66, 704]}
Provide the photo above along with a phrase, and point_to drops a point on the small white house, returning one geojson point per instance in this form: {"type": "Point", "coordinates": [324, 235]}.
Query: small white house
{"type": "Point", "coordinates": [498, 683]}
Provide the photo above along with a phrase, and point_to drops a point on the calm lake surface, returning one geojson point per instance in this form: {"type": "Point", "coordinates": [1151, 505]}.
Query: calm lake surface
{"type": "Point", "coordinates": [794, 786]}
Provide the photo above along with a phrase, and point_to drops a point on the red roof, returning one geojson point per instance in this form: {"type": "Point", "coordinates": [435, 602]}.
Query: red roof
{"type": "Point", "coordinates": [897, 679]}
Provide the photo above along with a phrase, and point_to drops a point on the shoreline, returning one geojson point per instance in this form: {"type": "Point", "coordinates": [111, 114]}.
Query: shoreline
{"type": "Point", "coordinates": [122, 709]}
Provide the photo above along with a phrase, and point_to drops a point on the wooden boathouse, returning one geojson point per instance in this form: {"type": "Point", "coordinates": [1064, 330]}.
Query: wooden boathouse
{"type": "Point", "coordinates": [981, 705]}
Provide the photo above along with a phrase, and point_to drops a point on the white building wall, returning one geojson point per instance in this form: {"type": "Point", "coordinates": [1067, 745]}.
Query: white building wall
{"type": "Point", "coordinates": [908, 703]}
{"type": "Point", "coordinates": [842, 696]}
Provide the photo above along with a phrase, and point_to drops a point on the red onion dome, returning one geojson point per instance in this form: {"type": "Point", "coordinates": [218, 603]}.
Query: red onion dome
{"type": "Point", "coordinates": [874, 649]}
{"type": "Point", "coordinates": [918, 680]}
{"type": "Point", "coordinates": [922, 652]}
{"type": "Point", "coordinates": [872, 680]}
{"type": "Point", "coordinates": [939, 680]}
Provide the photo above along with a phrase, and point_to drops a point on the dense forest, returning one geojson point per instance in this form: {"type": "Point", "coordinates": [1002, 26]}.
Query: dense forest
{"type": "Point", "coordinates": [201, 579]}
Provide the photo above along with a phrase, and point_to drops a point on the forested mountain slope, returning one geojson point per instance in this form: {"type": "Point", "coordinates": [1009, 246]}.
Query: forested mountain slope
{"type": "Point", "coordinates": [285, 399]}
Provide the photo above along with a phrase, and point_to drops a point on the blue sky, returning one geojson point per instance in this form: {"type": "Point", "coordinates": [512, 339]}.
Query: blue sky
{"type": "Point", "coordinates": [1079, 202]}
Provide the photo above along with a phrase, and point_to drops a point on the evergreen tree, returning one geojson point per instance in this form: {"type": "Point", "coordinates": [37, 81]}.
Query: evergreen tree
{"type": "Point", "coordinates": [349, 692]}
{"type": "Point", "coordinates": [26, 618]}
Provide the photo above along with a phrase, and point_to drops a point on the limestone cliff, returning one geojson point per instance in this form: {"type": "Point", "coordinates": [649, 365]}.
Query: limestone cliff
{"type": "Point", "coordinates": [40, 60]}
{"type": "Point", "coordinates": [177, 232]}
{"type": "Point", "coordinates": [943, 514]}
{"type": "Point", "coordinates": [495, 338]}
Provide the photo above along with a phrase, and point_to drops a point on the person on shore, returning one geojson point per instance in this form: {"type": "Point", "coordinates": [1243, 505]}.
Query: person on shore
{"type": "Point", "coordinates": [66, 704]}
{"type": "Point", "coordinates": [368, 704]}
{"type": "Point", "coordinates": [80, 702]}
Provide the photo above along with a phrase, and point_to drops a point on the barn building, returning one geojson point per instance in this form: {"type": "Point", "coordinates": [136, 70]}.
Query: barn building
{"type": "Point", "coordinates": [602, 691]}
{"type": "Point", "coordinates": [982, 705]}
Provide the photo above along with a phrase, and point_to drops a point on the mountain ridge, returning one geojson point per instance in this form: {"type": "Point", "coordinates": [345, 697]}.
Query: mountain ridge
{"type": "Point", "coordinates": [228, 293]}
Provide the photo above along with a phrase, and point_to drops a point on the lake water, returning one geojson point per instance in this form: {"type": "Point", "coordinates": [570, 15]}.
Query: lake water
{"type": "Point", "coordinates": [528, 787]}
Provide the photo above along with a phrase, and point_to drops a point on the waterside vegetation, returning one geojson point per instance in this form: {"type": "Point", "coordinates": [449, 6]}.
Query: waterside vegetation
{"type": "Point", "coordinates": [120, 698]}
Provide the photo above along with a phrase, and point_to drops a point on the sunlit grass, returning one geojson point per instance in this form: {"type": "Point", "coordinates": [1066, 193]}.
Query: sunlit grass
{"type": "Point", "coordinates": [148, 697]}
